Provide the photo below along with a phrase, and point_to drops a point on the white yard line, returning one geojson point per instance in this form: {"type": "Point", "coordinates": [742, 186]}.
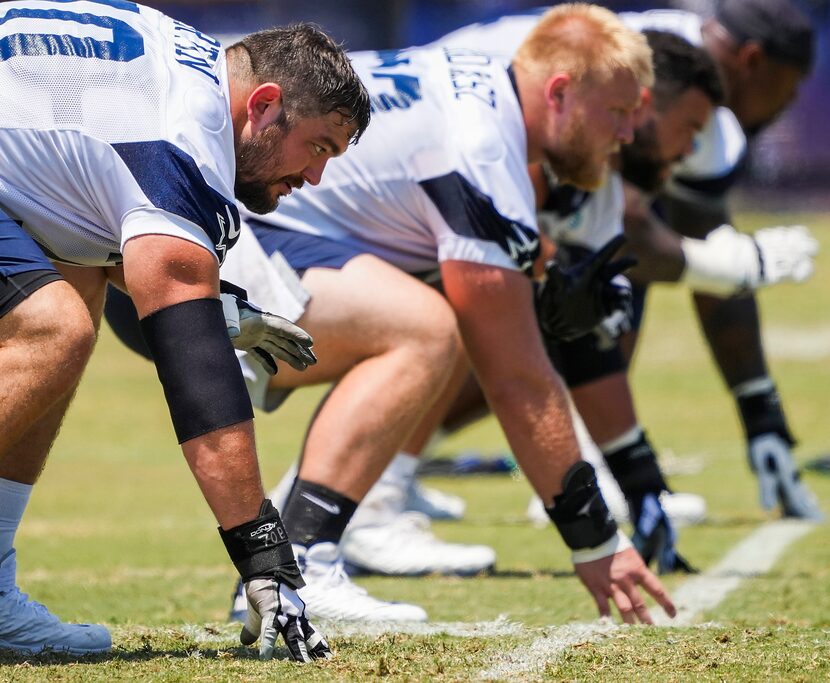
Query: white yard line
{"type": "Point", "coordinates": [753, 556]}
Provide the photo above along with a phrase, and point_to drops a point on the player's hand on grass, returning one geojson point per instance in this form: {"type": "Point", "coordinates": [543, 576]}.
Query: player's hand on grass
{"type": "Point", "coordinates": [654, 535]}
{"type": "Point", "coordinates": [574, 300]}
{"type": "Point", "coordinates": [263, 335]}
{"type": "Point", "coordinates": [274, 608]}
{"type": "Point", "coordinates": [620, 578]}
{"type": "Point", "coordinates": [778, 479]}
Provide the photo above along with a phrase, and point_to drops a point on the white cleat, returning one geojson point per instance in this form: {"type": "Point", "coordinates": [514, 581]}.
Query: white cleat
{"type": "Point", "coordinates": [683, 509]}
{"type": "Point", "coordinates": [405, 546]}
{"type": "Point", "coordinates": [330, 594]}
{"type": "Point", "coordinates": [434, 503]}
{"type": "Point", "coordinates": [29, 628]}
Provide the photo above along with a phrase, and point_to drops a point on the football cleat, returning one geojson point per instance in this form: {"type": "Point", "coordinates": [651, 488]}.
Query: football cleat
{"type": "Point", "coordinates": [29, 628]}
{"type": "Point", "coordinates": [433, 503]}
{"type": "Point", "coordinates": [330, 594]}
{"type": "Point", "coordinates": [405, 546]}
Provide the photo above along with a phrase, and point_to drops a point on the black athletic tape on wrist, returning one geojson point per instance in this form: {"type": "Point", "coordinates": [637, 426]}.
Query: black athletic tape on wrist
{"type": "Point", "coordinates": [579, 512]}
{"type": "Point", "coordinates": [636, 469]}
{"type": "Point", "coordinates": [762, 413]}
{"type": "Point", "coordinates": [261, 549]}
{"type": "Point", "coordinates": [197, 367]}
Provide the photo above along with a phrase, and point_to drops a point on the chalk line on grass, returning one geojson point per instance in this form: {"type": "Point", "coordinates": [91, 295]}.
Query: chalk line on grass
{"type": "Point", "coordinates": [753, 556]}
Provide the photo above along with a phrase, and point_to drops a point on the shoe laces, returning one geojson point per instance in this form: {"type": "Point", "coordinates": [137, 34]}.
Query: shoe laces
{"type": "Point", "coordinates": [413, 524]}
{"type": "Point", "coordinates": [336, 577]}
{"type": "Point", "coordinates": [16, 601]}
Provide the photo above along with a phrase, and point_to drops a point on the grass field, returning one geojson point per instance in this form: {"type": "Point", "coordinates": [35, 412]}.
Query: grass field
{"type": "Point", "coordinates": [117, 533]}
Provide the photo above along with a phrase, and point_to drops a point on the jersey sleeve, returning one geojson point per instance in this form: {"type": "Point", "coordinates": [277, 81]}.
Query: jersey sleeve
{"type": "Point", "coordinates": [181, 202]}
{"type": "Point", "coordinates": [715, 164]}
{"type": "Point", "coordinates": [484, 200]}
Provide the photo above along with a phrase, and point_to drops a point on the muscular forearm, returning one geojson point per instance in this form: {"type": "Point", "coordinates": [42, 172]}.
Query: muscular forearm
{"type": "Point", "coordinates": [225, 466]}
{"type": "Point", "coordinates": [531, 405]}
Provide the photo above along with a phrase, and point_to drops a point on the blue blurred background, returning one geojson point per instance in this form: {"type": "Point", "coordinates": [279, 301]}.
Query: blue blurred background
{"type": "Point", "coordinates": [790, 160]}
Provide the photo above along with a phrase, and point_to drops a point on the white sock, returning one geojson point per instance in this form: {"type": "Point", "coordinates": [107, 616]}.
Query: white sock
{"type": "Point", "coordinates": [279, 494]}
{"type": "Point", "coordinates": [401, 470]}
{"type": "Point", "coordinates": [13, 499]}
{"type": "Point", "coordinates": [386, 499]}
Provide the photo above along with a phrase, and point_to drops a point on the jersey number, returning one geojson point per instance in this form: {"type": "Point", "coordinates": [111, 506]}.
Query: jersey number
{"type": "Point", "coordinates": [407, 89]}
{"type": "Point", "coordinates": [87, 35]}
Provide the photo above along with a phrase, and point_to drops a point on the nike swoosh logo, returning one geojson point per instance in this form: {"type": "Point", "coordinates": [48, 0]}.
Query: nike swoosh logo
{"type": "Point", "coordinates": [333, 508]}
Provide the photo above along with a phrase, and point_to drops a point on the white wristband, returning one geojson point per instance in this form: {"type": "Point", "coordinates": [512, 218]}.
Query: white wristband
{"type": "Point", "coordinates": [617, 543]}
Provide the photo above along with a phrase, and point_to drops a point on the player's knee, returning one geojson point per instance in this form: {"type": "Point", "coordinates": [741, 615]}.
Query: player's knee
{"type": "Point", "coordinates": [436, 339]}
{"type": "Point", "coordinates": [59, 330]}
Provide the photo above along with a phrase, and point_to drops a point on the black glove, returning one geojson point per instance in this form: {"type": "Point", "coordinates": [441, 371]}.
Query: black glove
{"type": "Point", "coordinates": [574, 300]}
{"type": "Point", "coordinates": [654, 536]}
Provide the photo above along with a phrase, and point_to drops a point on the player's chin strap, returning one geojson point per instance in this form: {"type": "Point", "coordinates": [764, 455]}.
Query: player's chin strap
{"type": "Point", "coordinates": [261, 548]}
{"type": "Point", "coordinates": [582, 517]}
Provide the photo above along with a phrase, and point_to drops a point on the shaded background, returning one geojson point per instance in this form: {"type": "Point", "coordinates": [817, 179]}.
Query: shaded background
{"type": "Point", "coordinates": [790, 161]}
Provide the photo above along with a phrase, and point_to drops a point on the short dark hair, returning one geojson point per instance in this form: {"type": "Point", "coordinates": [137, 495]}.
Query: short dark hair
{"type": "Point", "coordinates": [313, 71]}
{"type": "Point", "coordinates": [679, 66]}
{"type": "Point", "coordinates": [785, 32]}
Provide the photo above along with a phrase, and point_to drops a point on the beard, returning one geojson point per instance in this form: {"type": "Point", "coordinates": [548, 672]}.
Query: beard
{"type": "Point", "coordinates": [642, 164]}
{"type": "Point", "coordinates": [574, 162]}
{"type": "Point", "coordinates": [256, 158]}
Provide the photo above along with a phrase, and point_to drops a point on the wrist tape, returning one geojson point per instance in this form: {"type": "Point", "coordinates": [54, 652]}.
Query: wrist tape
{"type": "Point", "coordinates": [579, 512]}
{"type": "Point", "coordinates": [261, 548]}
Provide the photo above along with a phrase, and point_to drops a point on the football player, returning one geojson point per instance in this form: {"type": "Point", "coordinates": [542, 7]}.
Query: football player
{"type": "Point", "coordinates": [125, 136]}
{"type": "Point", "coordinates": [439, 186]}
{"type": "Point", "coordinates": [753, 44]}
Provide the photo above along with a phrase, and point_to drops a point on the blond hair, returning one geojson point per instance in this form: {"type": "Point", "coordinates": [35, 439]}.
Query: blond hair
{"type": "Point", "coordinates": [588, 42]}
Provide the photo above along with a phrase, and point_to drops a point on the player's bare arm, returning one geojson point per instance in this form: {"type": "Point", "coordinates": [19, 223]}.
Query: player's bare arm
{"type": "Point", "coordinates": [497, 323]}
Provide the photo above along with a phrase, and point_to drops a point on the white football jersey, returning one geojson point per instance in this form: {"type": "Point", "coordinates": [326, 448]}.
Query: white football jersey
{"type": "Point", "coordinates": [584, 219]}
{"type": "Point", "coordinates": [441, 172]}
{"type": "Point", "coordinates": [114, 122]}
{"type": "Point", "coordinates": [719, 148]}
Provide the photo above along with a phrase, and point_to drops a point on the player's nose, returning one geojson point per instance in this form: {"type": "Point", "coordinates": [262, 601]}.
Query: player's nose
{"type": "Point", "coordinates": [313, 173]}
{"type": "Point", "coordinates": [625, 131]}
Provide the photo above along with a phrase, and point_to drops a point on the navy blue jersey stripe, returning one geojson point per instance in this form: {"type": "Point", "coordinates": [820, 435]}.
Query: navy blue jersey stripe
{"type": "Point", "coordinates": [471, 213]}
{"type": "Point", "coordinates": [172, 182]}
{"type": "Point", "coordinates": [564, 200]}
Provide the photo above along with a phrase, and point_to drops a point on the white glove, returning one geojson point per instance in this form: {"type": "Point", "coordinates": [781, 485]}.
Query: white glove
{"type": "Point", "coordinates": [265, 335]}
{"type": "Point", "coordinates": [729, 262]}
{"type": "Point", "coordinates": [778, 479]}
{"type": "Point", "coordinates": [275, 608]}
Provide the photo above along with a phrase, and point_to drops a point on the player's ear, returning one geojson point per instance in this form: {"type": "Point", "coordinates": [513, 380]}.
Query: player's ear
{"type": "Point", "coordinates": [556, 87]}
{"type": "Point", "coordinates": [264, 106]}
{"type": "Point", "coordinates": [750, 56]}
{"type": "Point", "coordinates": [643, 111]}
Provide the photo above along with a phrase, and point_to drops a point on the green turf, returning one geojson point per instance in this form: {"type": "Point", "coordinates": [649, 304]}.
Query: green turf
{"type": "Point", "coordinates": [117, 532]}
